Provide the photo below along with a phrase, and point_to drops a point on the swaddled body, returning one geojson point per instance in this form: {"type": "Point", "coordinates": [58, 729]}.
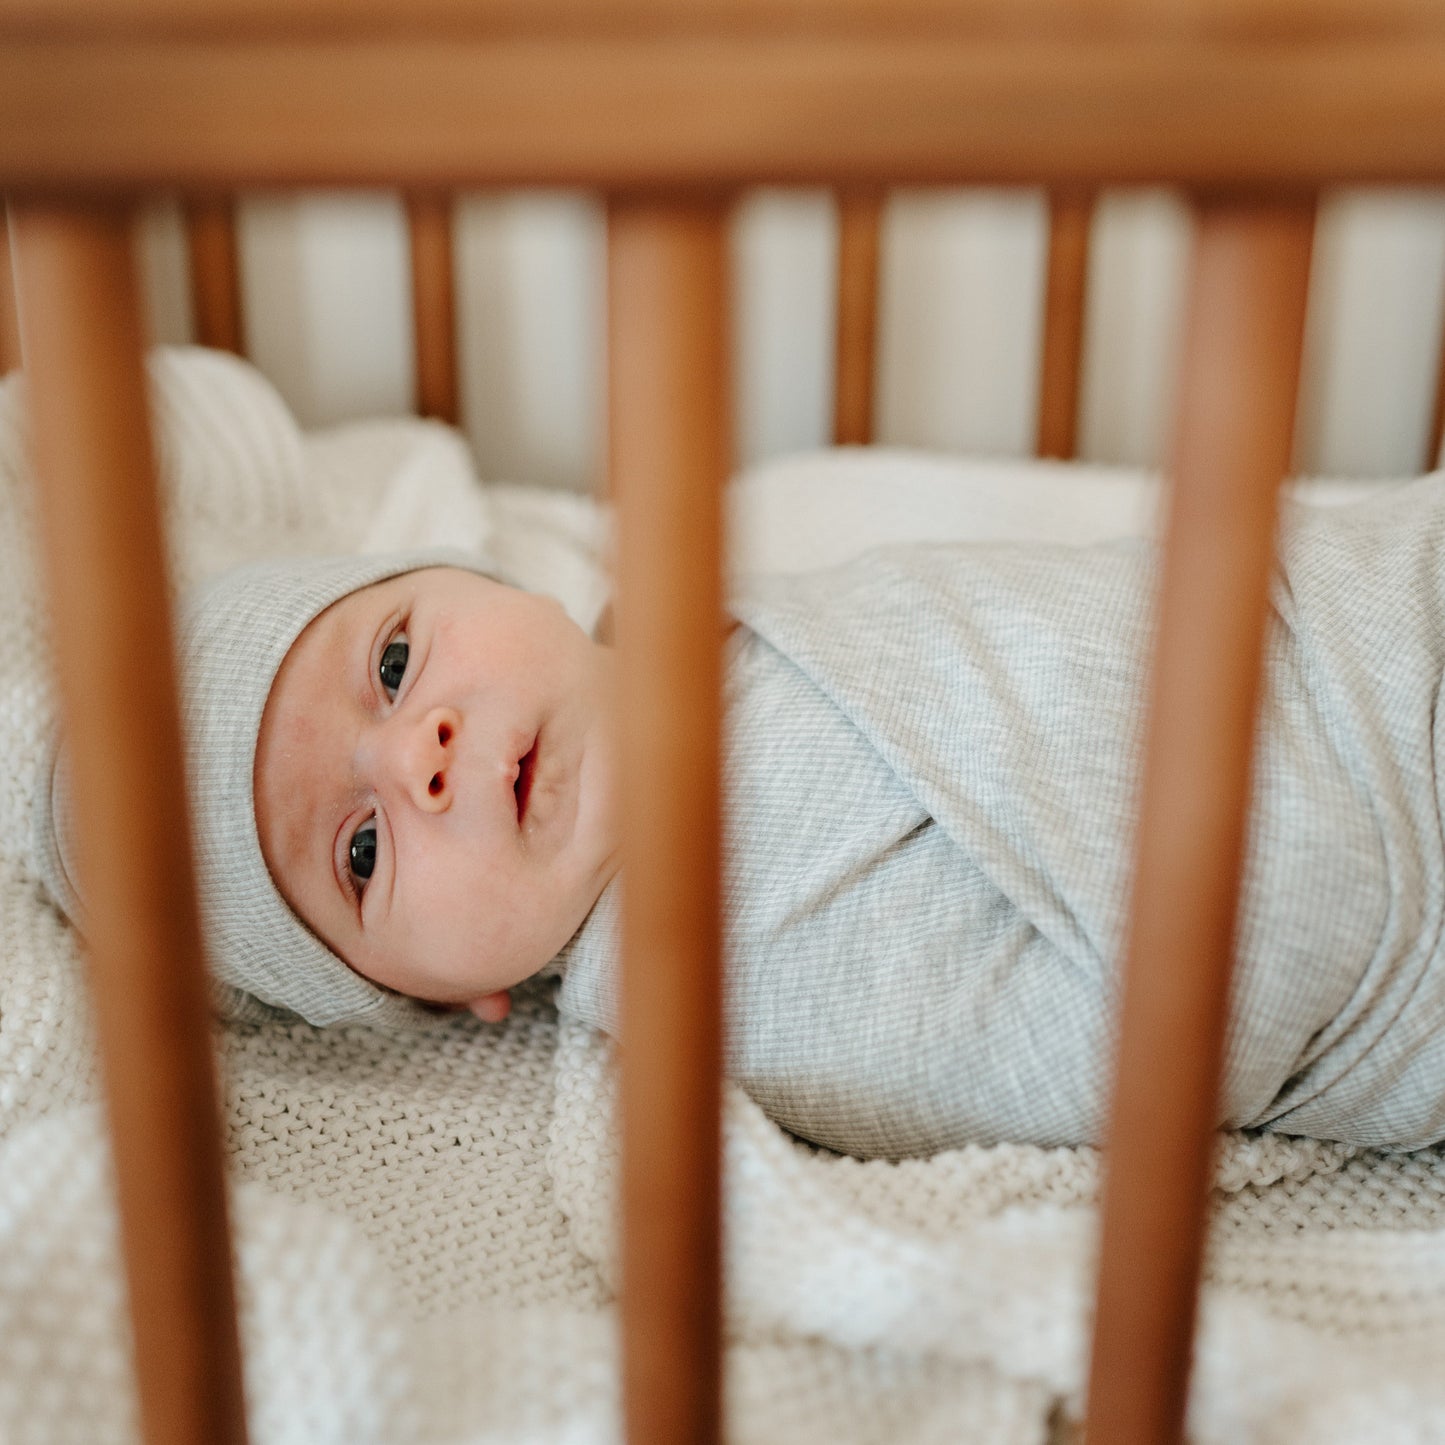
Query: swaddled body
{"type": "Point", "coordinates": [403, 790]}
{"type": "Point", "coordinates": [931, 773]}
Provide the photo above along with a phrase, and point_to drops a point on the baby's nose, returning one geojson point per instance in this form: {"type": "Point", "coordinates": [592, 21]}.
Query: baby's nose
{"type": "Point", "coordinates": [428, 760]}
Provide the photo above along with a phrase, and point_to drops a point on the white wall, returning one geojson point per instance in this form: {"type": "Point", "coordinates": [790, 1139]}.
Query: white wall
{"type": "Point", "coordinates": [326, 309]}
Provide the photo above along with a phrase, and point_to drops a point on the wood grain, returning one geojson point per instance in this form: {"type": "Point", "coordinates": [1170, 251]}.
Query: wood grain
{"type": "Point", "coordinates": [669, 454]}
{"type": "Point", "coordinates": [107, 583]}
{"type": "Point", "coordinates": [661, 109]}
{"type": "Point", "coordinates": [1061, 357]}
{"type": "Point", "coordinates": [215, 273]}
{"type": "Point", "coordinates": [433, 305]}
{"type": "Point", "coordinates": [1232, 445]}
{"type": "Point", "coordinates": [860, 220]}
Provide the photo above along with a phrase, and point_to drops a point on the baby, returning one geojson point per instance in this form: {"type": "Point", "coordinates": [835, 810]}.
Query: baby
{"type": "Point", "coordinates": [404, 798]}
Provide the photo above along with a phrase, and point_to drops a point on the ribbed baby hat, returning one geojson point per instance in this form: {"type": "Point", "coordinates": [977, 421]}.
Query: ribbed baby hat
{"type": "Point", "coordinates": [233, 635]}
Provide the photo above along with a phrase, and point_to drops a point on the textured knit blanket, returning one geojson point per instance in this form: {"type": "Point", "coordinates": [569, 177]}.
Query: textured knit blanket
{"type": "Point", "coordinates": [425, 1227]}
{"type": "Point", "coordinates": [932, 779]}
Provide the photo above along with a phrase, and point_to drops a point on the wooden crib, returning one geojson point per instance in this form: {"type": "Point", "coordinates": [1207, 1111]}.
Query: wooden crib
{"type": "Point", "coordinates": [669, 107]}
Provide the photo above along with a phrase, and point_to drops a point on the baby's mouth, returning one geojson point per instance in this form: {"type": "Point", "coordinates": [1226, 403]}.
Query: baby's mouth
{"type": "Point", "coordinates": [526, 768]}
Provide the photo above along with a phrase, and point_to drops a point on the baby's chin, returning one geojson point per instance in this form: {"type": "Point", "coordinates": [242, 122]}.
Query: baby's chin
{"type": "Point", "coordinates": [457, 982]}
{"type": "Point", "coordinates": [599, 811]}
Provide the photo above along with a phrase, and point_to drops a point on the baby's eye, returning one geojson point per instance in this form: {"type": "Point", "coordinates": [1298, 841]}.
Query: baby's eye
{"type": "Point", "coordinates": [363, 853]}
{"type": "Point", "coordinates": [392, 667]}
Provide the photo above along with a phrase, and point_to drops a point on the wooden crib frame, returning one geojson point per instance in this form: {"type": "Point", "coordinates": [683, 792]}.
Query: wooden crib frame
{"type": "Point", "coordinates": [669, 106]}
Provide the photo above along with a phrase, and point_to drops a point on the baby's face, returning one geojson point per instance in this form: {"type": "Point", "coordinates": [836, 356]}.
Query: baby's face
{"type": "Point", "coordinates": [435, 783]}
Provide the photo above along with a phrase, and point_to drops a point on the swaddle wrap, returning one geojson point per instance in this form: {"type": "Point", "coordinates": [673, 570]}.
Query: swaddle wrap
{"type": "Point", "coordinates": [932, 772]}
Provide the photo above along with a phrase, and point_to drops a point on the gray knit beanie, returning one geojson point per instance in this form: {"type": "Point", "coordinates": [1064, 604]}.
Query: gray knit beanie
{"type": "Point", "coordinates": [233, 635]}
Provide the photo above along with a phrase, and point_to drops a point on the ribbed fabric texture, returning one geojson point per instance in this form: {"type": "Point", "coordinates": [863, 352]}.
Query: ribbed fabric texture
{"type": "Point", "coordinates": [932, 774]}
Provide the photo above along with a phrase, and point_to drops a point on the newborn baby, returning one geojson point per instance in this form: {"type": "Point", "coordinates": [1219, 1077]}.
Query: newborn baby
{"type": "Point", "coordinates": [404, 790]}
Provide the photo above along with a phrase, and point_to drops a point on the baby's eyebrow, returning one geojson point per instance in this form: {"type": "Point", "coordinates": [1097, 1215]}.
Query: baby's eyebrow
{"type": "Point", "coordinates": [364, 687]}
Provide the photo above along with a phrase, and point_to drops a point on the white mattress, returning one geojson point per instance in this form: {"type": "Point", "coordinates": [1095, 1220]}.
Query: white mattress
{"type": "Point", "coordinates": [815, 509]}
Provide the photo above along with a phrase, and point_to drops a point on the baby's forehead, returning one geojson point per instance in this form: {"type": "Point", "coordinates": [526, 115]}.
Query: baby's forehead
{"type": "Point", "coordinates": [417, 582]}
{"type": "Point", "coordinates": [318, 642]}
{"type": "Point", "coordinates": [331, 638]}
{"type": "Point", "coordinates": [319, 683]}
{"type": "Point", "coordinates": [339, 617]}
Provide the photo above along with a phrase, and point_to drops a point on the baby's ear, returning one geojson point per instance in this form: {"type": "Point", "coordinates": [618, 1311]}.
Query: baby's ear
{"type": "Point", "coordinates": [492, 1008]}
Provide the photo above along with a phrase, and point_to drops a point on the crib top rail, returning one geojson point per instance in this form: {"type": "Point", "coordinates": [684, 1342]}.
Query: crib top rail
{"type": "Point", "coordinates": [1198, 18]}
{"type": "Point", "coordinates": [658, 94]}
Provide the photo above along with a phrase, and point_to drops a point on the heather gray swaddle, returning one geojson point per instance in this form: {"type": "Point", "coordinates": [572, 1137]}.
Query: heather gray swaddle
{"type": "Point", "coordinates": [932, 777]}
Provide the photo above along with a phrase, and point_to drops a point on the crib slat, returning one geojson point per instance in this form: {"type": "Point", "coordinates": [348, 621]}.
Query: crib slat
{"type": "Point", "coordinates": [103, 555]}
{"type": "Point", "coordinates": [1437, 416]}
{"type": "Point", "coordinates": [215, 274]}
{"type": "Point", "coordinates": [1235, 422]}
{"type": "Point", "coordinates": [860, 219]}
{"type": "Point", "coordinates": [669, 420]}
{"type": "Point", "coordinates": [1061, 362]}
{"type": "Point", "coordinates": [433, 307]}
{"type": "Point", "coordinates": [9, 316]}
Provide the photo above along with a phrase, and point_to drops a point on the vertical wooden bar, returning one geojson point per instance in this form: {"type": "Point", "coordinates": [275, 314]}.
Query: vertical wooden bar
{"type": "Point", "coordinates": [860, 220]}
{"type": "Point", "coordinates": [101, 537]}
{"type": "Point", "coordinates": [215, 273]}
{"type": "Point", "coordinates": [1235, 424]}
{"type": "Point", "coordinates": [9, 313]}
{"type": "Point", "coordinates": [670, 438]}
{"type": "Point", "coordinates": [1437, 416]}
{"type": "Point", "coordinates": [433, 292]}
{"type": "Point", "coordinates": [1061, 361]}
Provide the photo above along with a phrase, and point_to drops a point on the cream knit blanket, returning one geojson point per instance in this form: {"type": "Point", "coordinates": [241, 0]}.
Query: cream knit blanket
{"type": "Point", "coordinates": [424, 1226]}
